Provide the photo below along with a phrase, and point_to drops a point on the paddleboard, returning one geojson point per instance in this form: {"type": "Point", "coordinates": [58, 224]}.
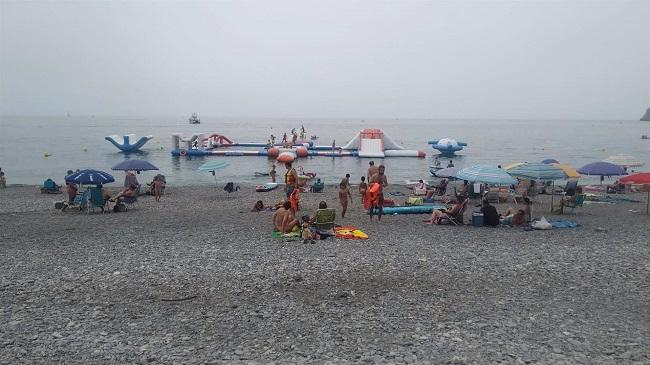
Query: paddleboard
{"type": "Point", "coordinates": [266, 187]}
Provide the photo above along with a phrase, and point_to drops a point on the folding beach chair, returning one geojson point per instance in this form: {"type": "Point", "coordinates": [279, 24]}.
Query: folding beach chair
{"type": "Point", "coordinates": [325, 220]}
{"type": "Point", "coordinates": [97, 200]}
{"type": "Point", "coordinates": [578, 202]}
{"type": "Point", "coordinates": [455, 217]}
{"type": "Point", "coordinates": [492, 195]}
{"type": "Point", "coordinates": [79, 203]}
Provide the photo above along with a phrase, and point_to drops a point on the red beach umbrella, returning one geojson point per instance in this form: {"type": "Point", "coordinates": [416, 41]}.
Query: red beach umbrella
{"type": "Point", "coordinates": [642, 178]}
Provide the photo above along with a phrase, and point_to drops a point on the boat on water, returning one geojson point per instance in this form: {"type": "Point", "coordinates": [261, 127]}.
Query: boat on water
{"type": "Point", "coordinates": [313, 138]}
{"type": "Point", "coordinates": [194, 119]}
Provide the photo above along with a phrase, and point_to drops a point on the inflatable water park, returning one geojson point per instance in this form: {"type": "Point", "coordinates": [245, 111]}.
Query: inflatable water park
{"type": "Point", "coordinates": [123, 143]}
{"type": "Point", "coordinates": [372, 143]}
{"type": "Point", "coordinates": [447, 146]}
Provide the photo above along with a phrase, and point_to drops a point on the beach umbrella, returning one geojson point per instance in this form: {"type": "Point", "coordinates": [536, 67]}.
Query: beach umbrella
{"type": "Point", "coordinates": [447, 172]}
{"type": "Point", "coordinates": [642, 178]}
{"type": "Point", "coordinates": [550, 160]}
{"type": "Point", "coordinates": [90, 177]}
{"type": "Point", "coordinates": [570, 172]}
{"type": "Point", "coordinates": [213, 166]}
{"type": "Point", "coordinates": [539, 171]}
{"type": "Point", "coordinates": [624, 160]}
{"type": "Point", "coordinates": [513, 165]}
{"type": "Point", "coordinates": [602, 168]}
{"type": "Point", "coordinates": [486, 174]}
{"type": "Point", "coordinates": [134, 165]}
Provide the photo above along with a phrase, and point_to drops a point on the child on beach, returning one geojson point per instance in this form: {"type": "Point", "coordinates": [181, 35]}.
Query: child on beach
{"type": "Point", "coordinates": [363, 188]}
{"type": "Point", "coordinates": [307, 233]}
{"type": "Point", "coordinates": [344, 193]}
{"type": "Point", "coordinates": [158, 185]}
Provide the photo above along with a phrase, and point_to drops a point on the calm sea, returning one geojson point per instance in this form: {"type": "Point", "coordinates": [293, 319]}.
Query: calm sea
{"type": "Point", "coordinates": [78, 142]}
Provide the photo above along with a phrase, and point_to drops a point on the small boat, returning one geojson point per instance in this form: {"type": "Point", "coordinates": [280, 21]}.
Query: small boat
{"type": "Point", "coordinates": [266, 187]}
{"type": "Point", "coordinates": [194, 119]}
{"type": "Point", "coordinates": [645, 137]}
{"type": "Point", "coordinates": [313, 138]}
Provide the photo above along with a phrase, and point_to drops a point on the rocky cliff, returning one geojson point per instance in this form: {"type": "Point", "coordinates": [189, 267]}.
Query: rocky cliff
{"type": "Point", "coordinates": [646, 117]}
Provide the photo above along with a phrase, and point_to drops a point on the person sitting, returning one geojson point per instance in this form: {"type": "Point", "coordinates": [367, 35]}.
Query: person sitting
{"type": "Point", "coordinates": [278, 216]}
{"type": "Point", "coordinates": [463, 191]}
{"type": "Point", "coordinates": [616, 188]}
{"type": "Point", "coordinates": [516, 219]}
{"type": "Point", "coordinates": [420, 188]}
{"type": "Point", "coordinates": [72, 189]}
{"type": "Point", "coordinates": [308, 234]}
{"type": "Point", "coordinates": [317, 187]}
{"type": "Point", "coordinates": [128, 192]}
{"type": "Point", "coordinates": [525, 206]}
{"type": "Point", "coordinates": [50, 187]}
{"type": "Point", "coordinates": [490, 215]}
{"type": "Point", "coordinates": [258, 207]}
{"type": "Point", "coordinates": [568, 199]}
{"type": "Point", "coordinates": [438, 215]}
{"type": "Point", "coordinates": [289, 220]}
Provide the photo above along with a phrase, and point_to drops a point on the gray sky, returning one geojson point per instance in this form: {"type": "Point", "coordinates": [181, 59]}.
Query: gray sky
{"type": "Point", "coordinates": [364, 59]}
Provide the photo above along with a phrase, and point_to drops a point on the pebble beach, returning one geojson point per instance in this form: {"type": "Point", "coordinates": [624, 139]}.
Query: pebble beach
{"type": "Point", "coordinates": [198, 279]}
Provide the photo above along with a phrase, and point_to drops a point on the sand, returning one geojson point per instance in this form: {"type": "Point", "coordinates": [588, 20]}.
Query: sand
{"type": "Point", "coordinates": [197, 278]}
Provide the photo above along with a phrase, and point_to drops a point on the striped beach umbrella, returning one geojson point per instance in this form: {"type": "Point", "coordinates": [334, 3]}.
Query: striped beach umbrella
{"type": "Point", "coordinates": [569, 170]}
{"type": "Point", "coordinates": [486, 174]}
{"type": "Point", "coordinates": [550, 160]}
{"type": "Point", "coordinates": [537, 171]}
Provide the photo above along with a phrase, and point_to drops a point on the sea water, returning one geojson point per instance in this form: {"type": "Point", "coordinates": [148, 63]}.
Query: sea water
{"type": "Point", "coordinates": [35, 148]}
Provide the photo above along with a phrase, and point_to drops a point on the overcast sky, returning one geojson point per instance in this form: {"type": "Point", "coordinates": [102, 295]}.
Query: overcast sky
{"type": "Point", "coordinates": [365, 59]}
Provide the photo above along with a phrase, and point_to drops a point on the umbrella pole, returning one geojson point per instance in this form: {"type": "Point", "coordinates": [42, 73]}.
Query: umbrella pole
{"type": "Point", "coordinates": [647, 204]}
{"type": "Point", "coordinates": [552, 194]}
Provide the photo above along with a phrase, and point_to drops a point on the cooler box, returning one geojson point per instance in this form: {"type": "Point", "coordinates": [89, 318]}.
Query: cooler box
{"type": "Point", "coordinates": [477, 219]}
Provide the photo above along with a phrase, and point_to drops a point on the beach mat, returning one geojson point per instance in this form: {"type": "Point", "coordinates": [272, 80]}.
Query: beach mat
{"type": "Point", "coordinates": [559, 223]}
{"type": "Point", "coordinates": [350, 233]}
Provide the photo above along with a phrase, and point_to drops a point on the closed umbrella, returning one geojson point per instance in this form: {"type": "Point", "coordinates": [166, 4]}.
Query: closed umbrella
{"type": "Point", "coordinates": [624, 160]}
{"type": "Point", "coordinates": [539, 171]}
{"type": "Point", "coordinates": [134, 165]}
{"type": "Point", "coordinates": [486, 174]}
{"type": "Point", "coordinates": [640, 178]}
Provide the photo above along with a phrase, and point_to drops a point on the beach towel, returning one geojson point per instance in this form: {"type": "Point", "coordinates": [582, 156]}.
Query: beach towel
{"type": "Point", "coordinates": [559, 223]}
{"type": "Point", "coordinates": [295, 232]}
{"type": "Point", "coordinates": [350, 233]}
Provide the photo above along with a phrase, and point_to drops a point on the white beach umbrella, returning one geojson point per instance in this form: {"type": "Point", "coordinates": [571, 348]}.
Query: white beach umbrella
{"type": "Point", "coordinates": [624, 160]}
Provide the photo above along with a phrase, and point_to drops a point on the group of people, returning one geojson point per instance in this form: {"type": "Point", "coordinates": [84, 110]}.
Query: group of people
{"type": "Point", "coordinates": [288, 142]}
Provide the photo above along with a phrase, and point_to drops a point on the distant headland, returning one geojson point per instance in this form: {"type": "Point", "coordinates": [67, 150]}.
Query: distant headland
{"type": "Point", "coordinates": [646, 116]}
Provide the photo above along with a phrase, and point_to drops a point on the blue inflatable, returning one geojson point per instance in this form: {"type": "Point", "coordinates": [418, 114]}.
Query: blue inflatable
{"type": "Point", "coordinates": [414, 209]}
{"type": "Point", "coordinates": [124, 143]}
{"type": "Point", "coordinates": [447, 146]}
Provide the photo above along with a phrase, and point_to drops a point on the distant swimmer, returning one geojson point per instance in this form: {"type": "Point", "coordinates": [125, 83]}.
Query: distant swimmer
{"type": "Point", "coordinates": [450, 164]}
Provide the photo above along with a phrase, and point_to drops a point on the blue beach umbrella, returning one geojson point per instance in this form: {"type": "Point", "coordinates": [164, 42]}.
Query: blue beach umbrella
{"type": "Point", "coordinates": [486, 174]}
{"type": "Point", "coordinates": [134, 165]}
{"type": "Point", "coordinates": [90, 177]}
{"type": "Point", "coordinates": [602, 169]}
{"type": "Point", "coordinates": [550, 161]}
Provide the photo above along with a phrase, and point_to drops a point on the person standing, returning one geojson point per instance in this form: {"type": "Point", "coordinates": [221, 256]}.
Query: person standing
{"type": "Point", "coordinates": [436, 162]}
{"type": "Point", "coordinates": [346, 180]}
{"type": "Point", "coordinates": [158, 185]}
{"type": "Point", "coordinates": [344, 193]}
{"type": "Point", "coordinates": [380, 181]}
{"type": "Point", "coordinates": [363, 188]}
{"type": "Point", "coordinates": [3, 179]}
{"type": "Point", "coordinates": [290, 179]}
{"type": "Point", "coordinates": [372, 171]}
{"type": "Point", "coordinates": [273, 173]}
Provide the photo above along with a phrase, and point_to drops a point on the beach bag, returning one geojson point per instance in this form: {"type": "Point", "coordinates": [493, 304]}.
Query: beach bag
{"type": "Point", "coordinates": [117, 208]}
{"type": "Point", "coordinates": [542, 223]}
